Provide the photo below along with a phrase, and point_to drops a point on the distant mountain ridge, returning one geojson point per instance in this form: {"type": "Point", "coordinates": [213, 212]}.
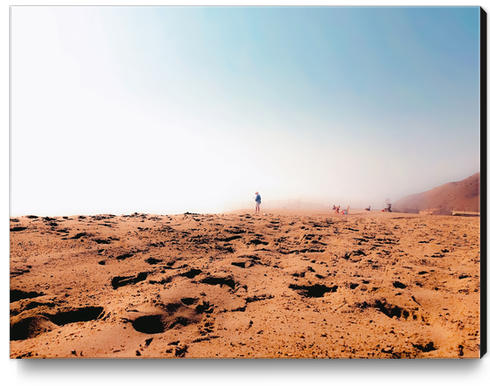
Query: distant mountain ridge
{"type": "Point", "coordinates": [454, 196]}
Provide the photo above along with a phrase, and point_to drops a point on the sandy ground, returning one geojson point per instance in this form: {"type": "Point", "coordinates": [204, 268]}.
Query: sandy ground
{"type": "Point", "coordinates": [283, 284]}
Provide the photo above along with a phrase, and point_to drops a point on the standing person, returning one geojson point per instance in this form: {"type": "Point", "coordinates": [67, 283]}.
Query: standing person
{"type": "Point", "coordinates": [258, 200]}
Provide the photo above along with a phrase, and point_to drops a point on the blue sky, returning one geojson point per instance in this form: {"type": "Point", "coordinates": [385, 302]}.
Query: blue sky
{"type": "Point", "coordinates": [174, 109]}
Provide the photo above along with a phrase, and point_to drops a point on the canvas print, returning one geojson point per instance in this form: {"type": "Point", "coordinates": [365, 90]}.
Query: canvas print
{"type": "Point", "coordinates": [245, 182]}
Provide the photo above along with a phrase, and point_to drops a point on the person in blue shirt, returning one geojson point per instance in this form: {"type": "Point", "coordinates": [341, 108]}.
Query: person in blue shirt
{"type": "Point", "coordinates": [258, 200]}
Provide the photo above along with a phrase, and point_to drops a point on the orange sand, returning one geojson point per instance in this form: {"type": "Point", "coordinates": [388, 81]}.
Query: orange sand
{"type": "Point", "coordinates": [284, 284]}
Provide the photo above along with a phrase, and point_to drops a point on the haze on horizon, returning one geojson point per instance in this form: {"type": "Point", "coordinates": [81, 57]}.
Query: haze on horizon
{"type": "Point", "coordinates": [172, 109]}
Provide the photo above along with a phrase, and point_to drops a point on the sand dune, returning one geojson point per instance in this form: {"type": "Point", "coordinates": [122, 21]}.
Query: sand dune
{"type": "Point", "coordinates": [304, 285]}
{"type": "Point", "coordinates": [458, 196]}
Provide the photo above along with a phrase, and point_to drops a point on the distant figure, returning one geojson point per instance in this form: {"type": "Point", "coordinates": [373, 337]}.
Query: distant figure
{"type": "Point", "coordinates": [258, 200]}
{"type": "Point", "coordinates": [334, 207]}
{"type": "Point", "coordinates": [368, 208]}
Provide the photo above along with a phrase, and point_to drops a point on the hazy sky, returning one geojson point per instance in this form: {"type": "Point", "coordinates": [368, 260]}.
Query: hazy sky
{"type": "Point", "coordinates": [174, 109]}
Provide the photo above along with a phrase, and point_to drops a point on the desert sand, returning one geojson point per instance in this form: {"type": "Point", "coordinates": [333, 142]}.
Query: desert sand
{"type": "Point", "coordinates": [238, 285]}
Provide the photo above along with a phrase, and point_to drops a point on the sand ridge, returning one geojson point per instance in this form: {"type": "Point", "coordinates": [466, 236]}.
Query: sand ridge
{"type": "Point", "coordinates": [238, 285]}
{"type": "Point", "coordinates": [454, 196]}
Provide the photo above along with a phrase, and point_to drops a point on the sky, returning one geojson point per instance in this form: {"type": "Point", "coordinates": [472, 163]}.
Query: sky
{"type": "Point", "coordinates": [166, 110]}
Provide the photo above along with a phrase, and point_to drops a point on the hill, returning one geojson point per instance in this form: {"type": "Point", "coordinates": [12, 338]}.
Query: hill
{"type": "Point", "coordinates": [458, 196]}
